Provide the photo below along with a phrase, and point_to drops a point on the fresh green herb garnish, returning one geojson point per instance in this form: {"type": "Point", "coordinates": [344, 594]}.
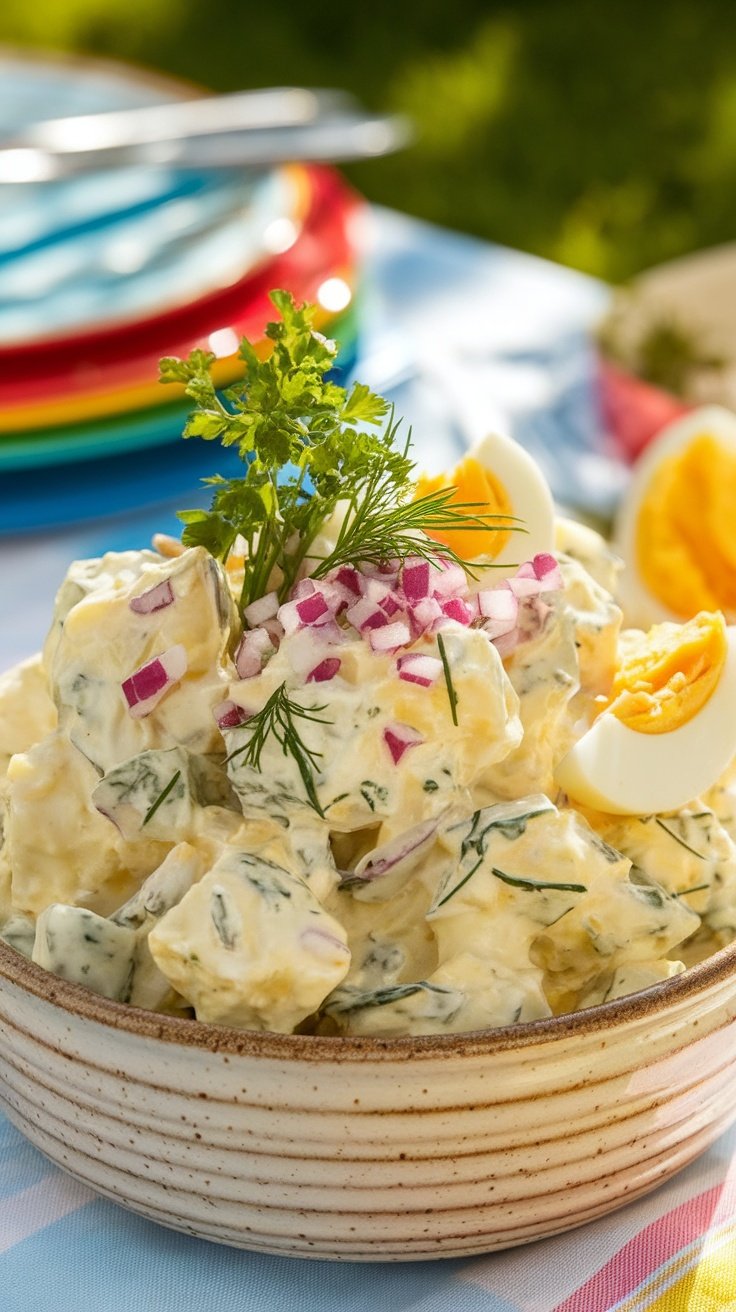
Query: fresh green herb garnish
{"type": "Point", "coordinates": [696, 888]}
{"type": "Point", "coordinates": [279, 717]}
{"type": "Point", "coordinates": [436, 905]}
{"type": "Point", "coordinates": [310, 447]}
{"type": "Point", "coordinates": [150, 813]}
{"type": "Point", "coordinates": [533, 885]}
{"type": "Point", "coordinates": [451, 694]}
{"type": "Point", "coordinates": [528, 885]}
{"type": "Point", "coordinates": [679, 840]}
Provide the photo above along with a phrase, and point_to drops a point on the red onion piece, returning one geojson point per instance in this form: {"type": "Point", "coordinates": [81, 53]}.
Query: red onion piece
{"type": "Point", "coordinates": [390, 637]}
{"type": "Point", "coordinates": [506, 643]}
{"type": "Point", "coordinates": [313, 610]}
{"type": "Point", "coordinates": [390, 605]}
{"type": "Point", "coordinates": [306, 649]}
{"type": "Point", "coordinates": [449, 579]}
{"type": "Point", "coordinates": [542, 574]}
{"type": "Point", "coordinates": [417, 668]}
{"type": "Point", "coordinates": [146, 686]}
{"type": "Point", "coordinates": [522, 587]}
{"type": "Point", "coordinates": [399, 738]}
{"type": "Point", "coordinates": [457, 609]}
{"type": "Point", "coordinates": [322, 943]}
{"type": "Point", "coordinates": [303, 588]}
{"type": "Point", "coordinates": [425, 612]}
{"type": "Point", "coordinates": [498, 604]}
{"type": "Point", "coordinates": [288, 617]}
{"type": "Point", "coordinates": [275, 631]}
{"type": "Point", "coordinates": [391, 855]}
{"type": "Point", "coordinates": [156, 598]}
{"type": "Point", "coordinates": [415, 579]}
{"type": "Point", "coordinates": [500, 610]}
{"type": "Point", "coordinates": [254, 646]}
{"type": "Point", "coordinates": [229, 715]}
{"type": "Point", "coordinates": [326, 670]}
{"type": "Point", "coordinates": [264, 608]}
{"type": "Point", "coordinates": [366, 615]}
{"type": "Point", "coordinates": [349, 578]}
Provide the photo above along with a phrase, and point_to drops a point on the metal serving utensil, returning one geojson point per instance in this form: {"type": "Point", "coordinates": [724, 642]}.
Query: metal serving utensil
{"type": "Point", "coordinates": [245, 128]}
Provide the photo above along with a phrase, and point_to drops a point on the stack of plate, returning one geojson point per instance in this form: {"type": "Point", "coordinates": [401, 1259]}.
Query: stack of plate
{"type": "Point", "coordinates": [102, 275]}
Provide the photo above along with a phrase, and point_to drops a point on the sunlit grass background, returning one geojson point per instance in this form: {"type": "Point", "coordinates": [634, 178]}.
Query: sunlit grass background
{"type": "Point", "coordinates": [596, 133]}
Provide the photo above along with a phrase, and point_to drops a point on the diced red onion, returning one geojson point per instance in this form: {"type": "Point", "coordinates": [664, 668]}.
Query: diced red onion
{"type": "Point", "coordinates": [366, 615]}
{"type": "Point", "coordinates": [336, 596]}
{"type": "Point", "coordinates": [376, 591]}
{"type": "Point", "coordinates": [393, 854]}
{"type": "Point", "coordinates": [288, 616]}
{"type": "Point", "coordinates": [522, 587]}
{"type": "Point", "coordinates": [390, 637]}
{"type": "Point", "coordinates": [457, 609]}
{"type": "Point", "coordinates": [499, 609]}
{"type": "Point", "coordinates": [229, 715]}
{"type": "Point", "coordinates": [449, 580]}
{"type": "Point", "coordinates": [253, 647]}
{"type": "Point", "coordinates": [326, 670]}
{"type": "Point", "coordinates": [399, 738]}
{"type": "Point", "coordinates": [146, 686]}
{"type": "Point", "coordinates": [313, 610]}
{"type": "Point", "coordinates": [390, 605]}
{"type": "Point", "coordinates": [506, 643]}
{"type": "Point", "coordinates": [425, 612]}
{"type": "Point", "coordinates": [415, 667]}
{"type": "Point", "coordinates": [264, 608]}
{"type": "Point", "coordinates": [156, 598]}
{"type": "Point", "coordinates": [322, 943]}
{"type": "Point", "coordinates": [542, 574]}
{"type": "Point", "coordinates": [415, 579]}
{"type": "Point", "coordinates": [349, 578]}
{"type": "Point", "coordinates": [275, 631]}
{"type": "Point", "coordinates": [304, 588]}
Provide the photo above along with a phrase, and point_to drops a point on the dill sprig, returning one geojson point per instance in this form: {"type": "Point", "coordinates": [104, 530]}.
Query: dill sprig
{"type": "Point", "coordinates": [153, 808]}
{"type": "Point", "coordinates": [534, 885]}
{"type": "Point", "coordinates": [670, 833]}
{"type": "Point", "coordinates": [279, 719]}
{"type": "Point", "coordinates": [308, 445]}
{"type": "Point", "coordinates": [377, 528]}
{"type": "Point", "coordinates": [451, 694]}
{"type": "Point", "coordinates": [515, 881]}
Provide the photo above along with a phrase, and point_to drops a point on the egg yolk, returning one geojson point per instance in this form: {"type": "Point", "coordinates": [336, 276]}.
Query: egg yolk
{"type": "Point", "coordinates": [669, 673]}
{"type": "Point", "coordinates": [475, 484]}
{"type": "Point", "coordinates": [685, 540]}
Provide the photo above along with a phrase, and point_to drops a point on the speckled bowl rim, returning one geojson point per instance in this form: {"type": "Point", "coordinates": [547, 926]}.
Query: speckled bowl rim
{"type": "Point", "coordinates": [78, 1002]}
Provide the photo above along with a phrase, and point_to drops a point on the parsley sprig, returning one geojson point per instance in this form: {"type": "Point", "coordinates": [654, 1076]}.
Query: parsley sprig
{"type": "Point", "coordinates": [279, 718]}
{"type": "Point", "coordinates": [307, 445]}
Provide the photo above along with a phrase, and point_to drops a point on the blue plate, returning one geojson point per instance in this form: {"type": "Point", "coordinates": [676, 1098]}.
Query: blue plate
{"type": "Point", "coordinates": [87, 251]}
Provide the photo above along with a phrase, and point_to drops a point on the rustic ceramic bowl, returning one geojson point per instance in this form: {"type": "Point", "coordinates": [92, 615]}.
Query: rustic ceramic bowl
{"type": "Point", "coordinates": [367, 1148]}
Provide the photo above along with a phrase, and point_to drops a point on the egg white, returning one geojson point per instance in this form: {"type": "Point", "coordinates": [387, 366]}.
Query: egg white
{"type": "Point", "coordinates": [616, 769]}
{"type": "Point", "coordinates": [527, 491]}
{"type": "Point", "coordinates": [641, 607]}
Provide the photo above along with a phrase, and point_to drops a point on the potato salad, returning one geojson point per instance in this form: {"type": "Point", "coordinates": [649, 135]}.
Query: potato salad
{"type": "Point", "coordinates": [319, 769]}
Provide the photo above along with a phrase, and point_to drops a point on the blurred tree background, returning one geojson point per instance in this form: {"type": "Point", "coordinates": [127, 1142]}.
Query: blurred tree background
{"type": "Point", "coordinates": [598, 133]}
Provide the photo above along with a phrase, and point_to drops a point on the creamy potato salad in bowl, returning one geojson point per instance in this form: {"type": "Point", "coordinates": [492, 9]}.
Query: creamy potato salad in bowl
{"type": "Point", "coordinates": [352, 845]}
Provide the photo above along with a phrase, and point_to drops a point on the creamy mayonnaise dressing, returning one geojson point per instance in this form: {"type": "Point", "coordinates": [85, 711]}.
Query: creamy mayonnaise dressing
{"type": "Point", "coordinates": [440, 885]}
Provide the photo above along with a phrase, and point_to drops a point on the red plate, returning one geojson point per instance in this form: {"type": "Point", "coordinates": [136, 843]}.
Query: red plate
{"type": "Point", "coordinates": [124, 359]}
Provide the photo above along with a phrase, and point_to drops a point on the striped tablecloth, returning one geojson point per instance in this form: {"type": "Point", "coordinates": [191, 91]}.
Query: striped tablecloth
{"type": "Point", "coordinates": [462, 336]}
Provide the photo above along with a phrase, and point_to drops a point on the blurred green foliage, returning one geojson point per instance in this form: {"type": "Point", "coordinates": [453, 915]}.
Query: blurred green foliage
{"type": "Point", "coordinates": [597, 133]}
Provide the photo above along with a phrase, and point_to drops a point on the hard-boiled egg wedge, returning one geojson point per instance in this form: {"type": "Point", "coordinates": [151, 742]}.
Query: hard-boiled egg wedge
{"type": "Point", "coordinates": [668, 730]}
{"type": "Point", "coordinates": [501, 478]}
{"type": "Point", "coordinates": [676, 527]}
